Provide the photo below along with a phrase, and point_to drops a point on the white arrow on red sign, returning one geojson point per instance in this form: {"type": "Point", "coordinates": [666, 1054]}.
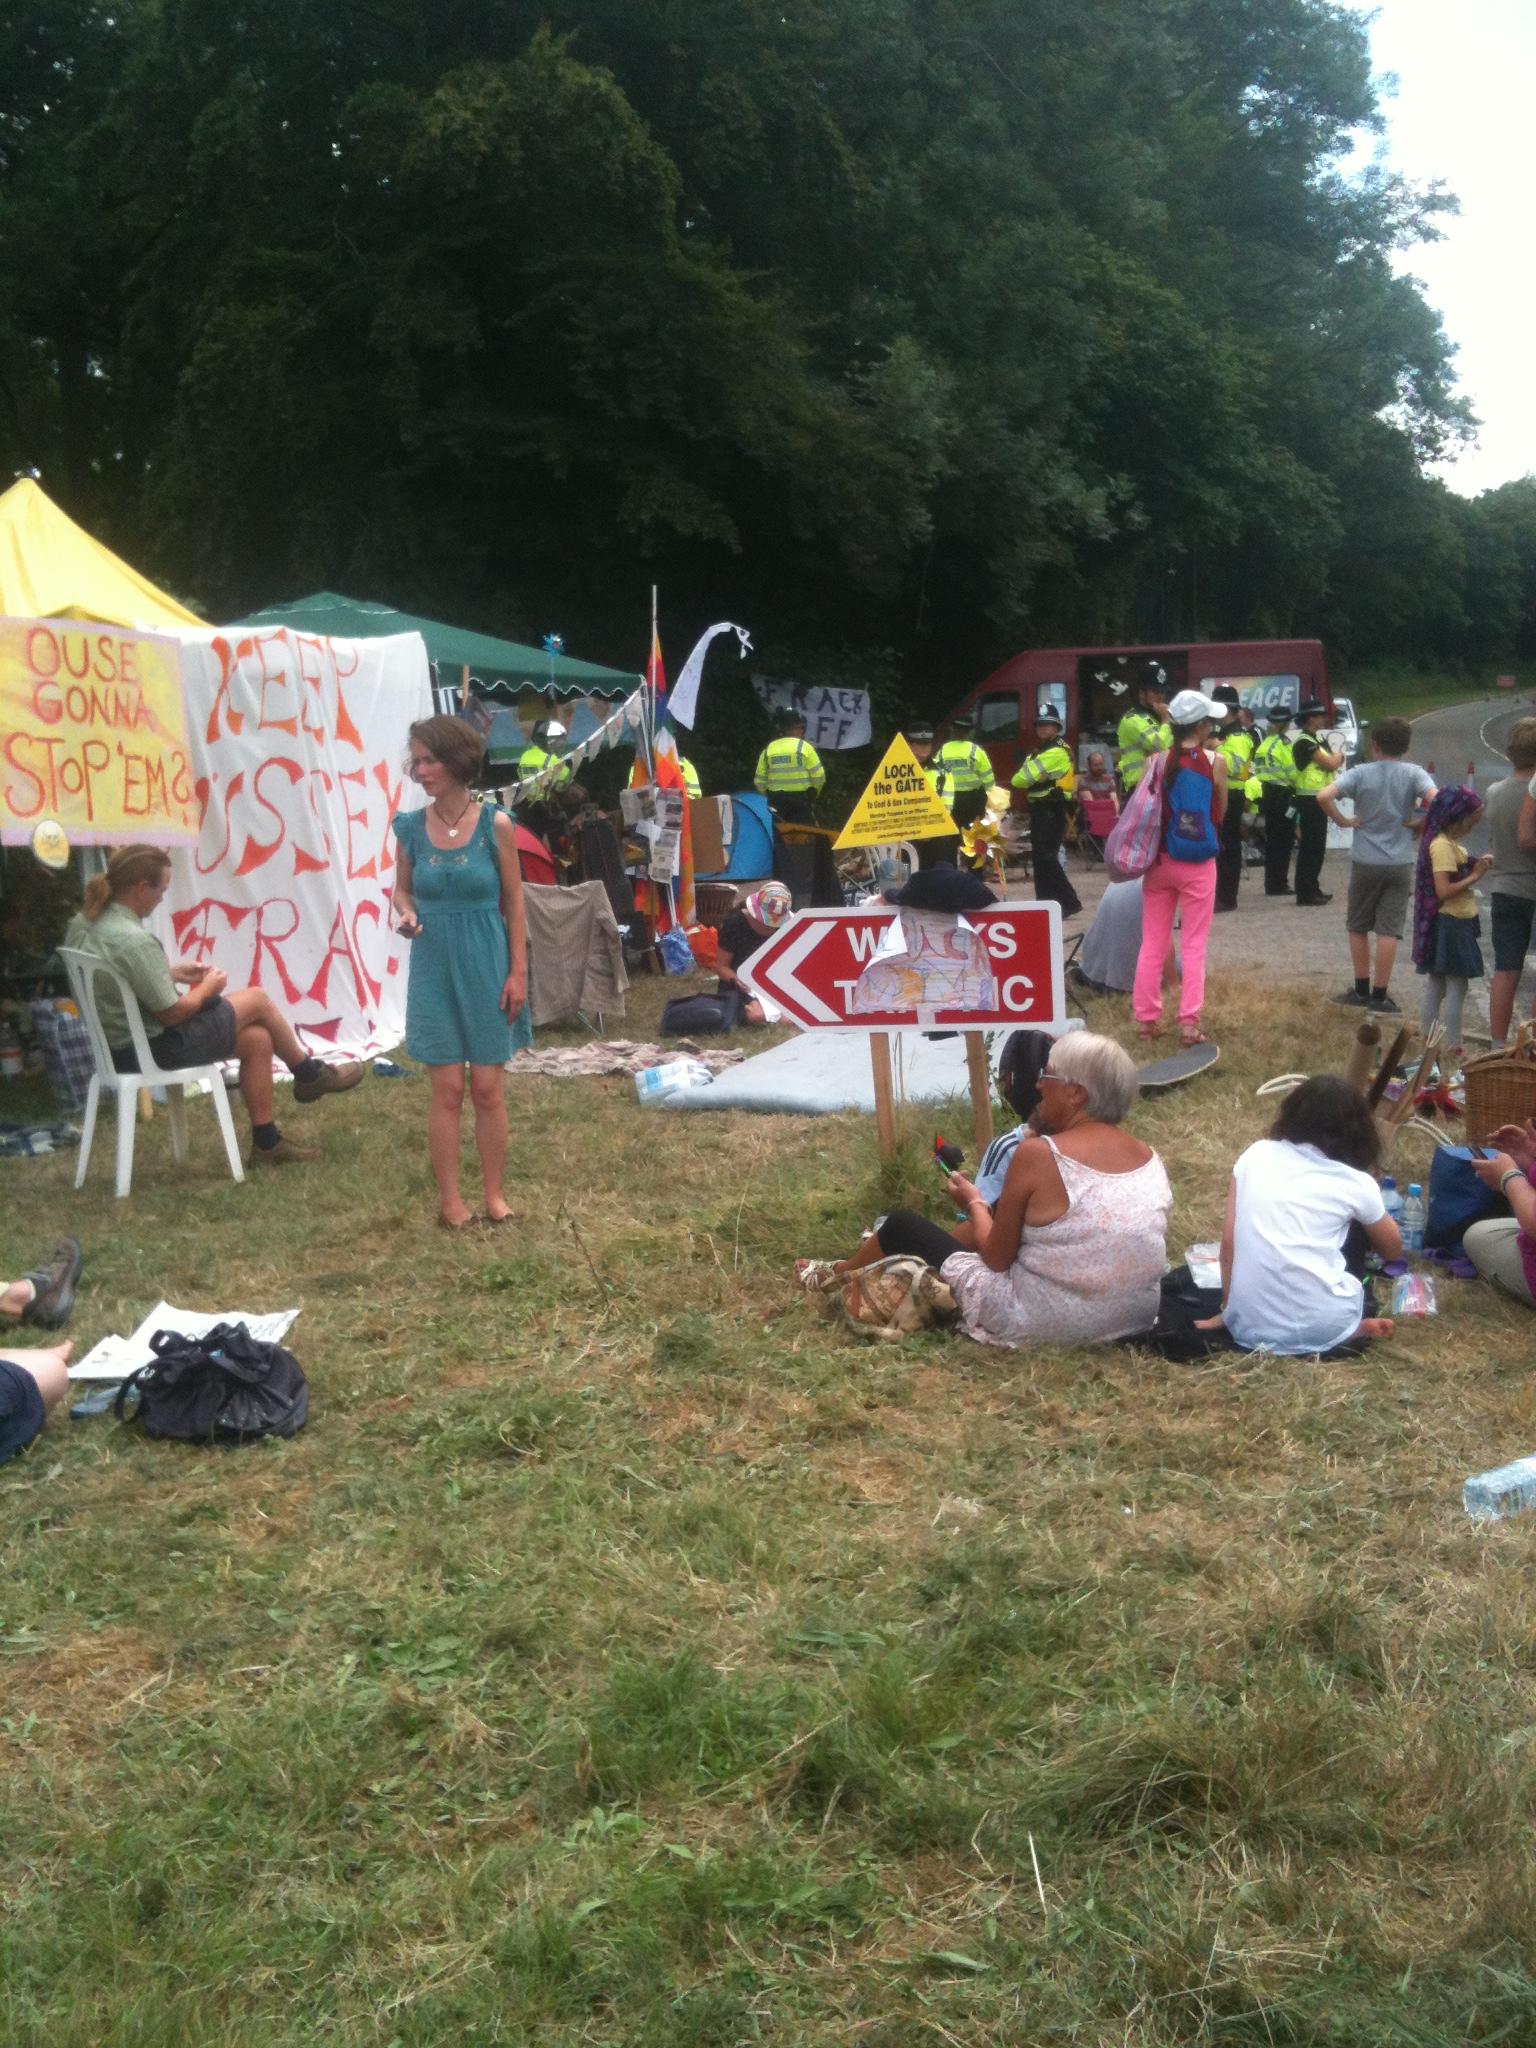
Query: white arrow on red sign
{"type": "Point", "coordinates": [876, 969]}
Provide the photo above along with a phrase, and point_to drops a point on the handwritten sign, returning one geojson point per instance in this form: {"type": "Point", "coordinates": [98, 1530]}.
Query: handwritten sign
{"type": "Point", "coordinates": [835, 719]}
{"type": "Point", "coordinates": [298, 749]}
{"type": "Point", "coordinates": [93, 734]}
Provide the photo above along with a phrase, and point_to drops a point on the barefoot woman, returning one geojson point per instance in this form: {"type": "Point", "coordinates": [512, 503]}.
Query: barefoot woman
{"type": "Point", "coordinates": [459, 897]}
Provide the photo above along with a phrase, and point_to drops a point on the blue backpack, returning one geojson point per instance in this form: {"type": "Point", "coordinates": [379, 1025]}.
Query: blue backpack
{"type": "Point", "coordinates": [1189, 832]}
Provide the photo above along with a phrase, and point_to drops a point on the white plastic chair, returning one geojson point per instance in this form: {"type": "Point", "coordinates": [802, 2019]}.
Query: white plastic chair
{"type": "Point", "coordinates": [82, 969]}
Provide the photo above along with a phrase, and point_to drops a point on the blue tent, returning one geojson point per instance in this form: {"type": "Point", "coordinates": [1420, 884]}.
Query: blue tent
{"type": "Point", "coordinates": [752, 847]}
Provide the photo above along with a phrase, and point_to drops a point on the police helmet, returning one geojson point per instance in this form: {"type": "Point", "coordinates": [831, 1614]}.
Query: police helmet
{"type": "Point", "coordinates": [788, 719]}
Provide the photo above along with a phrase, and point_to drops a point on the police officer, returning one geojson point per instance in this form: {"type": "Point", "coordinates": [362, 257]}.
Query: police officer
{"type": "Point", "coordinates": [1315, 768]}
{"type": "Point", "coordinates": [1235, 746]}
{"type": "Point", "coordinates": [538, 755]}
{"type": "Point", "coordinates": [969, 769]}
{"type": "Point", "coordinates": [789, 771]}
{"type": "Point", "coordinates": [690, 776]}
{"type": "Point", "coordinates": [932, 852]}
{"type": "Point", "coordinates": [1276, 770]}
{"type": "Point", "coordinates": [1143, 732]}
{"type": "Point", "coordinates": [1048, 776]}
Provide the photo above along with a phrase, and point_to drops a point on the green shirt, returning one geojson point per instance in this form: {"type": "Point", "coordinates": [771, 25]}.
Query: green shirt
{"type": "Point", "coordinates": [119, 938]}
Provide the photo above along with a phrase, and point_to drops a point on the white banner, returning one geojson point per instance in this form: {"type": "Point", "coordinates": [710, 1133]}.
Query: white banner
{"type": "Point", "coordinates": [683, 705]}
{"type": "Point", "coordinates": [298, 748]}
{"type": "Point", "coordinates": [834, 719]}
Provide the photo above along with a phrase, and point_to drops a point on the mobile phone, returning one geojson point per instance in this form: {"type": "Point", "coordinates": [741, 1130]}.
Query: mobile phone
{"type": "Point", "coordinates": [946, 1157]}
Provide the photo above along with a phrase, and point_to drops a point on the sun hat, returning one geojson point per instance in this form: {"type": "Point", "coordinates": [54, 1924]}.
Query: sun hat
{"type": "Point", "coordinates": [1189, 707]}
{"type": "Point", "coordinates": [769, 905]}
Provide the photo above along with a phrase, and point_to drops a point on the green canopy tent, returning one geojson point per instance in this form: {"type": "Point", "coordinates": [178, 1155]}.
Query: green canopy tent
{"type": "Point", "coordinates": [501, 670]}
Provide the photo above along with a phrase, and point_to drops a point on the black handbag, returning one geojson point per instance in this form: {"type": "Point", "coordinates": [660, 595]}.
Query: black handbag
{"type": "Point", "coordinates": [225, 1387]}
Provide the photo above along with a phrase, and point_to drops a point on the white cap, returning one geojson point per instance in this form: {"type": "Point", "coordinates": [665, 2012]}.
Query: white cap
{"type": "Point", "coordinates": [1189, 707]}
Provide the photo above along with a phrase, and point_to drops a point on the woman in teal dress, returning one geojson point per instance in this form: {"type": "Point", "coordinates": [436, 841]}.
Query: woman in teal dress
{"type": "Point", "coordinates": [459, 899]}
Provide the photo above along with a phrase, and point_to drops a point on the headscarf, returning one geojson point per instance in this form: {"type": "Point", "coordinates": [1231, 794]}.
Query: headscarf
{"type": "Point", "coordinates": [1449, 807]}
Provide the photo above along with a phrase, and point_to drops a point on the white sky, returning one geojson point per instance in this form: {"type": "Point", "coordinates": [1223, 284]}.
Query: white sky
{"type": "Point", "coordinates": [1466, 70]}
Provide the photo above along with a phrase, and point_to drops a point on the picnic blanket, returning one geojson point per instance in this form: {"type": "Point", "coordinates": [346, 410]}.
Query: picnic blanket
{"type": "Point", "coordinates": [616, 1056]}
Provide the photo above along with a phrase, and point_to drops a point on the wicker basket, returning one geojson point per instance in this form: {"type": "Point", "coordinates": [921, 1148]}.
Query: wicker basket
{"type": "Point", "coordinates": [714, 901]}
{"type": "Point", "coordinates": [1501, 1087]}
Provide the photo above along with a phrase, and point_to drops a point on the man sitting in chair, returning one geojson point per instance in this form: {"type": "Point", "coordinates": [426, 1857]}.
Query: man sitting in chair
{"type": "Point", "coordinates": [203, 1024]}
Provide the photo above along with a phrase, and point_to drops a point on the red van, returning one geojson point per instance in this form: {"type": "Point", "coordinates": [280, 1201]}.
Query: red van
{"type": "Point", "coordinates": [1091, 688]}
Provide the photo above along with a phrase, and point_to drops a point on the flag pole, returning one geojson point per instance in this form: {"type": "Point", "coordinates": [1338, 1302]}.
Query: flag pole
{"type": "Point", "coordinates": [655, 643]}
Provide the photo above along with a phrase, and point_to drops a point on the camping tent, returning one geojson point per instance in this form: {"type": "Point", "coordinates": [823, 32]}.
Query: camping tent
{"type": "Point", "coordinates": [502, 670]}
{"type": "Point", "coordinates": [52, 569]}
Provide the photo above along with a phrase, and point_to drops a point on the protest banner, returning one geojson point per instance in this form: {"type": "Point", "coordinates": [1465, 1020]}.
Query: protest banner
{"type": "Point", "coordinates": [899, 802]}
{"type": "Point", "coordinates": [835, 720]}
{"type": "Point", "coordinates": [298, 752]}
{"type": "Point", "coordinates": [93, 734]}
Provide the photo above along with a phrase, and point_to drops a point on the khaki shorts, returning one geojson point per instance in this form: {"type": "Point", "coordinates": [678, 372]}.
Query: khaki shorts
{"type": "Point", "coordinates": [1378, 900]}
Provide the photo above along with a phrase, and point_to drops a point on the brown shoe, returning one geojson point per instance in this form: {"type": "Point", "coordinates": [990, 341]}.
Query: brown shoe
{"type": "Point", "coordinates": [329, 1081]}
{"type": "Point", "coordinates": [283, 1153]}
{"type": "Point", "coordinates": [53, 1287]}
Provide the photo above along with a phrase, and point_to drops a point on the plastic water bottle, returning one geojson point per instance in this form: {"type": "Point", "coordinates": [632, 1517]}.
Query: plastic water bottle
{"type": "Point", "coordinates": [1503, 1491]}
{"type": "Point", "coordinates": [1392, 1201]}
{"type": "Point", "coordinates": [1413, 1220]}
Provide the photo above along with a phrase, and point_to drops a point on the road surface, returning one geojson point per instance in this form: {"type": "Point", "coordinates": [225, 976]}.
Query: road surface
{"type": "Point", "coordinates": [1309, 947]}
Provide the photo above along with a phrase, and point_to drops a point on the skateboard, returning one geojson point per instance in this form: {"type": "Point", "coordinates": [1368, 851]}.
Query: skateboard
{"type": "Point", "coordinates": [1178, 1066]}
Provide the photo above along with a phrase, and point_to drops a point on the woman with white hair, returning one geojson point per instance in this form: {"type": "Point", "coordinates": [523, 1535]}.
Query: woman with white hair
{"type": "Point", "coordinates": [1074, 1250]}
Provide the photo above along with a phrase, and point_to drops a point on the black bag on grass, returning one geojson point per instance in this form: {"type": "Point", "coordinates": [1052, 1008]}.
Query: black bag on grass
{"type": "Point", "coordinates": [227, 1387]}
{"type": "Point", "coordinates": [699, 1016]}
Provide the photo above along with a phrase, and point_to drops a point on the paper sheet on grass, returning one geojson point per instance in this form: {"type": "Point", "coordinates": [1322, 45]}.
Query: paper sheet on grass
{"type": "Point", "coordinates": [115, 1357]}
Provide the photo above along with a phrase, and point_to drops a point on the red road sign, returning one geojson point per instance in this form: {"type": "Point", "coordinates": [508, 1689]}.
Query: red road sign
{"type": "Point", "coordinates": [837, 970]}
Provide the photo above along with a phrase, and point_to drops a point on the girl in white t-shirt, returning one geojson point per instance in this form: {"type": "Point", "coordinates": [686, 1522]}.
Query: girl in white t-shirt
{"type": "Point", "coordinates": [1285, 1285]}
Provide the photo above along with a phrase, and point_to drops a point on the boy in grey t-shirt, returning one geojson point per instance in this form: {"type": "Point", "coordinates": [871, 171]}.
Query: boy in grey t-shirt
{"type": "Point", "coordinates": [1513, 881]}
{"type": "Point", "coordinates": [1386, 791]}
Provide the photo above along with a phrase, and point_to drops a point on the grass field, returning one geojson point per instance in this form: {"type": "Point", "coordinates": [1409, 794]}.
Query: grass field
{"type": "Point", "coordinates": [625, 1654]}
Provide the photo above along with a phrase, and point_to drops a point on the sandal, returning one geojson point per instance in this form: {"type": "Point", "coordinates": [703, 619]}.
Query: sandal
{"type": "Point", "coordinates": [1149, 1031]}
{"type": "Point", "coordinates": [1193, 1035]}
{"type": "Point", "coordinates": [816, 1275]}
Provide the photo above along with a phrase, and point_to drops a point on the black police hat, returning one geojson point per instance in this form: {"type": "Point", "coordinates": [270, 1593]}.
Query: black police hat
{"type": "Point", "coordinates": [917, 732]}
{"type": "Point", "coordinates": [1225, 694]}
{"type": "Point", "coordinates": [1312, 709]}
{"type": "Point", "coordinates": [1278, 714]}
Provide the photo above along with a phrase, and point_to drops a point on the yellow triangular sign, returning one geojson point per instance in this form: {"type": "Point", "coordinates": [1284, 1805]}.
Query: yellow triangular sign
{"type": "Point", "coordinates": [900, 803]}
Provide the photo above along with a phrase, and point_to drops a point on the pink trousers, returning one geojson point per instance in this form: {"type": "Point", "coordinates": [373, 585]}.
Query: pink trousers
{"type": "Point", "coordinates": [1170, 885]}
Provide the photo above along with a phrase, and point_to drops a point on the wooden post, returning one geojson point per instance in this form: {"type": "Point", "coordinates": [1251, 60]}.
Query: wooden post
{"type": "Point", "coordinates": [981, 1090]}
{"type": "Point", "coordinates": [885, 1095]}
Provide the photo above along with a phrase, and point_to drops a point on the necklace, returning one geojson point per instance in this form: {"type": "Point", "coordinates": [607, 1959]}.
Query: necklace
{"type": "Point", "coordinates": [453, 829]}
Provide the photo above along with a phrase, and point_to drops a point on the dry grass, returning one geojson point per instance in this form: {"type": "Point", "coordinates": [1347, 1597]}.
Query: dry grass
{"type": "Point", "coordinates": [625, 1654]}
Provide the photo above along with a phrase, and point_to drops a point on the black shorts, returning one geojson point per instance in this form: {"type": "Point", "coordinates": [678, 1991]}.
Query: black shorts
{"type": "Point", "coordinates": [208, 1035]}
{"type": "Point", "coordinates": [1511, 920]}
{"type": "Point", "coordinates": [22, 1413]}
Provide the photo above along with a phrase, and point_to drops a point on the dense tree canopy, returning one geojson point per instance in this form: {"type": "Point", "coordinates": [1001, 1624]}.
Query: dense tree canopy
{"type": "Point", "coordinates": [930, 326]}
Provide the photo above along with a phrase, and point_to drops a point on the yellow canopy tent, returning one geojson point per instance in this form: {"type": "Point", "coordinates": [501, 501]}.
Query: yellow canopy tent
{"type": "Point", "coordinates": [51, 568]}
